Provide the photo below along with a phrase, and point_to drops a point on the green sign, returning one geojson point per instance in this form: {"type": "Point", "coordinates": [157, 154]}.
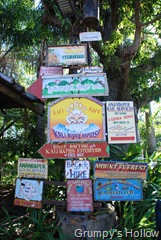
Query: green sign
{"type": "Point", "coordinates": [62, 85]}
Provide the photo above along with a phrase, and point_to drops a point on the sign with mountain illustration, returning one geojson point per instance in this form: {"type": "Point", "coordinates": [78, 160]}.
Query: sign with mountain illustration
{"type": "Point", "coordinates": [62, 85]}
{"type": "Point", "coordinates": [76, 119]}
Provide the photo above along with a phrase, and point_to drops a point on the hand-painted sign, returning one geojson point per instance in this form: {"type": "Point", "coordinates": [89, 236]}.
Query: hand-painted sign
{"type": "Point", "coordinates": [33, 168]}
{"type": "Point", "coordinates": [79, 195]}
{"type": "Point", "coordinates": [28, 193]}
{"type": "Point", "coordinates": [118, 190]}
{"type": "Point", "coordinates": [121, 122]}
{"type": "Point", "coordinates": [63, 85]}
{"type": "Point", "coordinates": [77, 169]}
{"type": "Point", "coordinates": [66, 55]}
{"type": "Point", "coordinates": [116, 170]}
{"type": "Point", "coordinates": [90, 36]}
{"type": "Point", "coordinates": [49, 71]}
{"type": "Point", "coordinates": [74, 150]}
{"type": "Point", "coordinates": [75, 120]}
{"type": "Point", "coordinates": [91, 70]}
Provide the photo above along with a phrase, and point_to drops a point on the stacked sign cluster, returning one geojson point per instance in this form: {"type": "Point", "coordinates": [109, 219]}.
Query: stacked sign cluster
{"type": "Point", "coordinates": [29, 184]}
{"type": "Point", "coordinates": [78, 128]}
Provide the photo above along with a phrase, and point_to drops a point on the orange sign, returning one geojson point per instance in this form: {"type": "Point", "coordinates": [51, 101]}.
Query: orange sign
{"type": "Point", "coordinates": [76, 119]}
{"type": "Point", "coordinates": [115, 170]}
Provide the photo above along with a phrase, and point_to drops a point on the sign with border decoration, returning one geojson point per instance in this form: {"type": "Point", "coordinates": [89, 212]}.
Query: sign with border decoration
{"type": "Point", "coordinates": [79, 195]}
{"type": "Point", "coordinates": [76, 119]}
{"type": "Point", "coordinates": [28, 193]}
{"type": "Point", "coordinates": [120, 169]}
{"type": "Point", "coordinates": [121, 122]}
{"type": "Point", "coordinates": [118, 190]}
{"type": "Point", "coordinates": [67, 55]}
{"type": "Point", "coordinates": [74, 84]}
{"type": "Point", "coordinates": [32, 168]}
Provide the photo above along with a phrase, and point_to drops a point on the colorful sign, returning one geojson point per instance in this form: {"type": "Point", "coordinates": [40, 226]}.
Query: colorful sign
{"type": "Point", "coordinates": [121, 122]}
{"type": "Point", "coordinates": [118, 190]}
{"type": "Point", "coordinates": [90, 36]}
{"type": "Point", "coordinates": [49, 71]}
{"type": "Point", "coordinates": [33, 168]}
{"type": "Point", "coordinates": [67, 55]}
{"type": "Point", "coordinates": [28, 193]}
{"type": "Point", "coordinates": [116, 170]}
{"type": "Point", "coordinates": [77, 169]}
{"type": "Point", "coordinates": [76, 119]}
{"type": "Point", "coordinates": [79, 195]}
{"type": "Point", "coordinates": [61, 85]}
{"type": "Point", "coordinates": [74, 150]}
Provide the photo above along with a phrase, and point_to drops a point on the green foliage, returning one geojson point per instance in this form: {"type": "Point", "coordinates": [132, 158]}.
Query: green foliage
{"type": "Point", "coordinates": [36, 225]}
{"type": "Point", "coordinates": [141, 215]}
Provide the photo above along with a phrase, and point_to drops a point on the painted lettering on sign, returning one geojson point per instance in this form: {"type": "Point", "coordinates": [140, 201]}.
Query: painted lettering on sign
{"type": "Point", "coordinates": [33, 168]}
{"type": "Point", "coordinates": [77, 150]}
{"type": "Point", "coordinates": [113, 169]}
{"type": "Point", "coordinates": [76, 119]}
{"type": "Point", "coordinates": [121, 122]}
{"type": "Point", "coordinates": [77, 169]}
{"type": "Point", "coordinates": [118, 190]}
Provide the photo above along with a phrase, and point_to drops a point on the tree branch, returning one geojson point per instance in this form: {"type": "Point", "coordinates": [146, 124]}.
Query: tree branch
{"type": "Point", "coordinates": [149, 64]}
{"type": "Point", "coordinates": [130, 51]}
{"type": "Point", "coordinates": [158, 17]}
{"type": "Point", "coordinates": [152, 93]}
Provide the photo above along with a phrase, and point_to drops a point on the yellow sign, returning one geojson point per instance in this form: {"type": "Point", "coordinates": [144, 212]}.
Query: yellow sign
{"type": "Point", "coordinates": [76, 119]}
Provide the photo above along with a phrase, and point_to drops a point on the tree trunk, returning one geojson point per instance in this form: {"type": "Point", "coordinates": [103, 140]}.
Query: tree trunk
{"type": "Point", "coordinates": [151, 139]}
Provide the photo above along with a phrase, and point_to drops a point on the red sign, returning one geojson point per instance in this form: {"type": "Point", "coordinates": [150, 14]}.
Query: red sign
{"type": "Point", "coordinates": [79, 195]}
{"type": "Point", "coordinates": [122, 138]}
{"type": "Point", "coordinates": [74, 150]}
{"type": "Point", "coordinates": [36, 89]}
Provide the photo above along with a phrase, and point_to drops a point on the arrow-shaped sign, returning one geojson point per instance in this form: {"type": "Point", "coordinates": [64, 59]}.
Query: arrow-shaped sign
{"type": "Point", "coordinates": [74, 150]}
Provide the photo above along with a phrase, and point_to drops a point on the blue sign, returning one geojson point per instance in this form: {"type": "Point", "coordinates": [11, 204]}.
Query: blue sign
{"type": "Point", "coordinates": [118, 190]}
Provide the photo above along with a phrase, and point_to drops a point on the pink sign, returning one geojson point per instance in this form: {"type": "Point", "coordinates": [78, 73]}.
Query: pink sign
{"type": "Point", "coordinates": [50, 71]}
{"type": "Point", "coordinates": [79, 195]}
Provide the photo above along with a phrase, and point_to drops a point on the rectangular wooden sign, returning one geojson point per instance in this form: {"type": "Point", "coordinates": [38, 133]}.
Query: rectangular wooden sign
{"type": "Point", "coordinates": [28, 193]}
{"type": "Point", "coordinates": [50, 71]}
{"type": "Point", "coordinates": [118, 190]}
{"type": "Point", "coordinates": [74, 150]}
{"type": "Point", "coordinates": [77, 169]}
{"type": "Point", "coordinates": [116, 170]}
{"type": "Point", "coordinates": [33, 168]}
{"type": "Point", "coordinates": [66, 55]}
{"type": "Point", "coordinates": [79, 195]}
{"type": "Point", "coordinates": [76, 119]}
{"type": "Point", "coordinates": [64, 85]}
{"type": "Point", "coordinates": [121, 122]}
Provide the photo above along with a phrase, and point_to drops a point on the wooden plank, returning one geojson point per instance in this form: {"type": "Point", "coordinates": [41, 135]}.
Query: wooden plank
{"type": "Point", "coordinates": [55, 183]}
{"type": "Point", "coordinates": [21, 101]}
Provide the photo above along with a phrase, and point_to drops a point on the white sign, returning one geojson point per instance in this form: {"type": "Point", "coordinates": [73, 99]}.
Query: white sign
{"type": "Point", "coordinates": [90, 36]}
{"type": "Point", "coordinates": [121, 122]}
{"type": "Point", "coordinates": [77, 169]}
{"type": "Point", "coordinates": [91, 70]}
